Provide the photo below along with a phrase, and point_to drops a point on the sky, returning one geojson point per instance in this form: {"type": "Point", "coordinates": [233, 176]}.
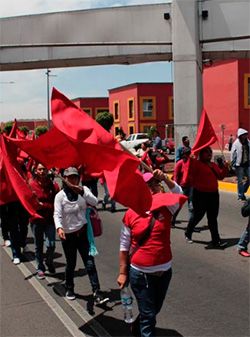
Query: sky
{"type": "Point", "coordinates": [23, 94]}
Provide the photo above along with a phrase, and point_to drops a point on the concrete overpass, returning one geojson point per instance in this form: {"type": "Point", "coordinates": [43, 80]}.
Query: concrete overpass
{"type": "Point", "coordinates": [186, 31]}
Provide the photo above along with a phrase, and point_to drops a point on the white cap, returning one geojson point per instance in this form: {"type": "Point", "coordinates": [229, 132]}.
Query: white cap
{"type": "Point", "coordinates": [70, 171]}
{"type": "Point", "coordinates": [241, 132]}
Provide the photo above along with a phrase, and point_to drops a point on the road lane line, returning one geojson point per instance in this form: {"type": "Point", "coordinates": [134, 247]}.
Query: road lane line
{"type": "Point", "coordinates": [55, 307]}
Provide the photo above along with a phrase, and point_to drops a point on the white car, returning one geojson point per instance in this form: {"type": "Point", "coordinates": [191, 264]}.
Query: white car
{"type": "Point", "coordinates": [134, 139]}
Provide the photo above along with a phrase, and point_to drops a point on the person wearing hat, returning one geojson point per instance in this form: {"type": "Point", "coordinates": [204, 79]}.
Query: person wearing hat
{"type": "Point", "coordinates": [71, 224]}
{"type": "Point", "coordinates": [240, 159]}
{"type": "Point", "coordinates": [145, 251]}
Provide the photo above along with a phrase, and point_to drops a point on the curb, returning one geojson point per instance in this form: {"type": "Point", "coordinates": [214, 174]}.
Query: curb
{"type": "Point", "coordinates": [225, 186]}
{"type": "Point", "coordinates": [230, 187]}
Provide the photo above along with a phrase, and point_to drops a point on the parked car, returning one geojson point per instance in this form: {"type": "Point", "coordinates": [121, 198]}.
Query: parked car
{"type": "Point", "coordinates": [168, 145]}
{"type": "Point", "coordinates": [134, 139]}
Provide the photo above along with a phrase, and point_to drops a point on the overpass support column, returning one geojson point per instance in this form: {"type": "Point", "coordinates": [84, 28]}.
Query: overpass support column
{"type": "Point", "coordinates": [187, 68]}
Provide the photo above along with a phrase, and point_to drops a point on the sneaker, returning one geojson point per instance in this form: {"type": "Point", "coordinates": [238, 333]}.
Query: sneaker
{"type": "Point", "coordinates": [197, 230]}
{"type": "Point", "coordinates": [188, 239]}
{"type": "Point", "coordinates": [244, 253]}
{"type": "Point", "coordinates": [99, 297]}
{"type": "Point", "coordinates": [70, 295]}
{"type": "Point", "coordinates": [40, 275]}
{"type": "Point", "coordinates": [216, 245]}
{"type": "Point", "coordinates": [7, 243]}
{"type": "Point", "coordinates": [16, 260]}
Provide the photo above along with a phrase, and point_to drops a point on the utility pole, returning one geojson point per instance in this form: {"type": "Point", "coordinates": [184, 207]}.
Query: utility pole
{"type": "Point", "coordinates": [48, 101]}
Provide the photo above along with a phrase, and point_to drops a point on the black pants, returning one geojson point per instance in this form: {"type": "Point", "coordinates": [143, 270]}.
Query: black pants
{"type": "Point", "coordinates": [4, 222]}
{"type": "Point", "coordinates": [74, 242]}
{"type": "Point", "coordinates": [205, 203]}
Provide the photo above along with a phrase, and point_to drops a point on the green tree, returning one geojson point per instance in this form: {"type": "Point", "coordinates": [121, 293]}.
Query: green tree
{"type": "Point", "coordinates": [105, 119]}
{"type": "Point", "coordinates": [40, 130]}
{"type": "Point", "coordinates": [25, 129]}
{"type": "Point", "coordinates": [7, 127]}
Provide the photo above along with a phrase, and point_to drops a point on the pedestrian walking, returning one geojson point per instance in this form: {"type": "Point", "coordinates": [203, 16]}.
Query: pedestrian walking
{"type": "Point", "coordinates": [180, 171]}
{"type": "Point", "coordinates": [240, 159]}
{"type": "Point", "coordinates": [204, 176]}
{"type": "Point", "coordinates": [244, 240]}
{"type": "Point", "coordinates": [179, 151]}
{"type": "Point", "coordinates": [230, 142]}
{"type": "Point", "coordinates": [45, 191]}
{"type": "Point", "coordinates": [5, 225]}
{"type": "Point", "coordinates": [145, 253]}
{"type": "Point", "coordinates": [71, 225]}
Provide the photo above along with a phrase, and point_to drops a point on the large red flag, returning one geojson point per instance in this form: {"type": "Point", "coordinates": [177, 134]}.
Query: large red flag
{"type": "Point", "coordinates": [7, 194]}
{"type": "Point", "coordinates": [205, 134]}
{"type": "Point", "coordinates": [76, 123]}
{"type": "Point", "coordinates": [126, 185]}
{"type": "Point", "coordinates": [16, 179]}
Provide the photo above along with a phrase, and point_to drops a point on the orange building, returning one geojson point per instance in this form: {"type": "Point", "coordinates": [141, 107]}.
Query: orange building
{"type": "Point", "coordinates": [92, 105]}
{"type": "Point", "coordinates": [226, 91]}
{"type": "Point", "coordinates": [138, 106]}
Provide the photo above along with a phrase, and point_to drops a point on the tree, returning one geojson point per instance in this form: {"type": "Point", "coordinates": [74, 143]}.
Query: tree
{"type": "Point", "coordinates": [105, 119]}
{"type": "Point", "coordinates": [25, 129]}
{"type": "Point", "coordinates": [7, 127]}
{"type": "Point", "coordinates": [40, 130]}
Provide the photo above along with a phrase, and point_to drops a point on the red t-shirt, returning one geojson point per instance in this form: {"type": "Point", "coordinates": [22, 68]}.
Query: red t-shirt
{"type": "Point", "coordinates": [156, 250]}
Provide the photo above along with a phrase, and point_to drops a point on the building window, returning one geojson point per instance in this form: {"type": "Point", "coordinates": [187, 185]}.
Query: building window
{"type": "Point", "coordinates": [147, 107]}
{"type": "Point", "coordinates": [145, 127]}
{"type": "Point", "coordinates": [247, 91]}
{"type": "Point", "coordinates": [131, 109]}
{"type": "Point", "coordinates": [88, 111]}
{"type": "Point", "coordinates": [131, 128]}
{"type": "Point", "coordinates": [171, 108]}
{"type": "Point", "coordinates": [117, 129]}
{"type": "Point", "coordinates": [116, 111]}
{"type": "Point", "coordinates": [101, 110]}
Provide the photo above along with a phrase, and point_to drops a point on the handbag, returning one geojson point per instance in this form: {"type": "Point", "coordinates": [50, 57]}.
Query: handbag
{"type": "Point", "coordinates": [96, 221]}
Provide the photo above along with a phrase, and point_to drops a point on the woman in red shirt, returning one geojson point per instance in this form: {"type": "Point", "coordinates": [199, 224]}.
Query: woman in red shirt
{"type": "Point", "coordinates": [45, 191]}
{"type": "Point", "coordinates": [204, 176]}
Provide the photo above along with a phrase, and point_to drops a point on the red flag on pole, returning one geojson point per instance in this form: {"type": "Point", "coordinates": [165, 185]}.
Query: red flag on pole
{"type": "Point", "coordinates": [16, 179]}
{"type": "Point", "coordinates": [205, 134]}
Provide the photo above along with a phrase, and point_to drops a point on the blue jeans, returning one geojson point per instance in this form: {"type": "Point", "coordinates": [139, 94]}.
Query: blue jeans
{"type": "Point", "coordinates": [244, 240]}
{"type": "Point", "coordinates": [150, 292]}
{"type": "Point", "coordinates": [243, 177]}
{"type": "Point", "coordinates": [40, 231]}
{"type": "Point", "coordinates": [78, 241]}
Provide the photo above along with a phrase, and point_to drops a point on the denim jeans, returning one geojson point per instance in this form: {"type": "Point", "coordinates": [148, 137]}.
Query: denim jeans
{"type": "Point", "coordinates": [5, 227]}
{"type": "Point", "coordinates": [150, 292]}
{"type": "Point", "coordinates": [40, 231]}
{"type": "Point", "coordinates": [205, 203]}
{"type": "Point", "coordinates": [78, 241]}
{"type": "Point", "coordinates": [244, 240]}
{"type": "Point", "coordinates": [243, 177]}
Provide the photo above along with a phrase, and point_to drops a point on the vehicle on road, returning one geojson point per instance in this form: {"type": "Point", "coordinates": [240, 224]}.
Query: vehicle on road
{"type": "Point", "coordinates": [134, 139]}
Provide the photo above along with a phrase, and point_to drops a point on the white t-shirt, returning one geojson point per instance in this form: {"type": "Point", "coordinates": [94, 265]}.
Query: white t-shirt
{"type": "Point", "coordinates": [70, 215]}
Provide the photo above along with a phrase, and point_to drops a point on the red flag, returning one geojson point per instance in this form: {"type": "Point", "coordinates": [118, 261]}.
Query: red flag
{"type": "Point", "coordinates": [16, 179]}
{"type": "Point", "coordinates": [13, 130]}
{"type": "Point", "coordinates": [205, 134]}
{"type": "Point", "coordinates": [7, 193]}
{"type": "Point", "coordinates": [76, 123]}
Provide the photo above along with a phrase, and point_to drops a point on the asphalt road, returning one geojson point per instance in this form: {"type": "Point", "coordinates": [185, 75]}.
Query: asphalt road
{"type": "Point", "coordinates": [208, 294]}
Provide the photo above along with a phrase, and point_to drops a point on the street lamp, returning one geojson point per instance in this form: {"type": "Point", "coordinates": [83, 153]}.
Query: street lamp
{"type": "Point", "coordinates": [48, 101]}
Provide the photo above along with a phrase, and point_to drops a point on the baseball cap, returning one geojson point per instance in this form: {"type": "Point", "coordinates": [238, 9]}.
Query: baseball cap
{"type": "Point", "coordinates": [71, 171]}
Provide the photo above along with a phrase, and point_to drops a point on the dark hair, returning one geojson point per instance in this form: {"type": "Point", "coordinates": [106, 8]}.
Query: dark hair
{"type": "Point", "coordinates": [184, 138]}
